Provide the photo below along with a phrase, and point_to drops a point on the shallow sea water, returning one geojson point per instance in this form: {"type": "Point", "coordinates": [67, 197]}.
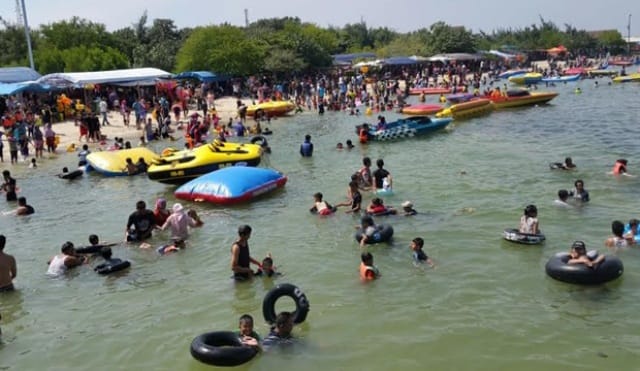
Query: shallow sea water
{"type": "Point", "coordinates": [487, 305]}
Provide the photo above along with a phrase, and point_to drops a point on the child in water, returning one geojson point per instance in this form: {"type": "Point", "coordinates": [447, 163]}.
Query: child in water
{"type": "Point", "coordinates": [267, 268]}
{"type": "Point", "coordinates": [418, 254]}
{"type": "Point", "coordinates": [246, 333]}
{"type": "Point", "coordinates": [407, 208]}
{"type": "Point", "coordinates": [529, 221]}
{"type": "Point", "coordinates": [368, 271]}
{"type": "Point", "coordinates": [321, 207]}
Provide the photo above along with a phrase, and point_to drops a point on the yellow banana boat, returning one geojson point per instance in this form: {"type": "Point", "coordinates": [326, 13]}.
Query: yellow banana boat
{"type": "Point", "coordinates": [177, 167]}
{"type": "Point", "coordinates": [473, 108]}
{"type": "Point", "coordinates": [114, 163]}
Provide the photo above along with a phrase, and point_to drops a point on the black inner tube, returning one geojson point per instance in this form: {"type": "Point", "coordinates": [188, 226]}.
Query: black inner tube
{"type": "Point", "coordinates": [221, 348]}
{"type": "Point", "coordinates": [292, 291]}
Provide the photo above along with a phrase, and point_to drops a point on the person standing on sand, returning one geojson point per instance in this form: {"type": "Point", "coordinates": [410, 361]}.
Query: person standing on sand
{"type": "Point", "coordinates": [103, 106]}
{"type": "Point", "coordinates": [8, 268]}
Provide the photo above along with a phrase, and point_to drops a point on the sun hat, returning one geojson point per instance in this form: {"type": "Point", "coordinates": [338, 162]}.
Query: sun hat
{"type": "Point", "coordinates": [407, 204]}
{"type": "Point", "coordinates": [177, 207]}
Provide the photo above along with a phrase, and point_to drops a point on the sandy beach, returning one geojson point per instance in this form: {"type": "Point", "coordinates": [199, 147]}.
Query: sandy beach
{"type": "Point", "coordinates": [69, 132]}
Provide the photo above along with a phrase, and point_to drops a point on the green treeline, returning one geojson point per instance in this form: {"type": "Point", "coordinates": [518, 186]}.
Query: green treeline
{"type": "Point", "coordinates": [267, 45]}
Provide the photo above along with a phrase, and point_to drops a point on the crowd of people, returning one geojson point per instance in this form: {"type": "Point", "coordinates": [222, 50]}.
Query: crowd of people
{"type": "Point", "coordinates": [623, 236]}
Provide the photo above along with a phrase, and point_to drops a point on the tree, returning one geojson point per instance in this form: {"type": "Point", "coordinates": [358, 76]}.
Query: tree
{"type": "Point", "coordinates": [446, 39]}
{"type": "Point", "coordinates": [12, 44]}
{"type": "Point", "coordinates": [612, 41]}
{"type": "Point", "coordinates": [75, 32]}
{"type": "Point", "coordinates": [281, 60]}
{"type": "Point", "coordinates": [223, 49]}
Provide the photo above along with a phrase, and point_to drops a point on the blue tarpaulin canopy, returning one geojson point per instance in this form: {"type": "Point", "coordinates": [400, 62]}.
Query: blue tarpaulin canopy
{"type": "Point", "coordinates": [351, 57]}
{"type": "Point", "coordinates": [19, 87]}
{"type": "Point", "coordinates": [399, 61]}
{"type": "Point", "coordinates": [204, 76]}
{"type": "Point", "coordinates": [18, 74]}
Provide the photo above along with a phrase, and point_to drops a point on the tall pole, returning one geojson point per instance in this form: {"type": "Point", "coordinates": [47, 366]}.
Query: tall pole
{"type": "Point", "coordinates": [629, 36]}
{"type": "Point", "coordinates": [27, 34]}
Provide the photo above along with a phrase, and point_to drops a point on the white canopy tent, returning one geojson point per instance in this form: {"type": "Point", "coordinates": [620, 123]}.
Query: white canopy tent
{"type": "Point", "coordinates": [130, 76]}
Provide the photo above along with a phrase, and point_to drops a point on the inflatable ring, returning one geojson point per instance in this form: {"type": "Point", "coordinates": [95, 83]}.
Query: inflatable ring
{"type": "Point", "coordinates": [607, 270]}
{"type": "Point", "coordinates": [514, 235]}
{"type": "Point", "coordinates": [111, 268]}
{"type": "Point", "coordinates": [168, 151]}
{"type": "Point", "coordinates": [383, 234]}
{"type": "Point", "coordinates": [95, 249]}
{"type": "Point", "coordinates": [72, 175]}
{"type": "Point", "coordinates": [221, 348]}
{"type": "Point", "coordinates": [260, 140]}
{"type": "Point", "coordinates": [292, 291]}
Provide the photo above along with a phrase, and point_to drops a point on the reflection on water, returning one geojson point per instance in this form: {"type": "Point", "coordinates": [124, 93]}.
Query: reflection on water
{"type": "Point", "coordinates": [487, 305]}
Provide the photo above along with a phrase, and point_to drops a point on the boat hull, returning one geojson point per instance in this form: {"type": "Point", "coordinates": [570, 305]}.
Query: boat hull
{"type": "Point", "coordinates": [529, 100]}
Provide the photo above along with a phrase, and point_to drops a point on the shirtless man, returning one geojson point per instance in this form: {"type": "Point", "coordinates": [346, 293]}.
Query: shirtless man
{"type": "Point", "coordinates": [8, 269]}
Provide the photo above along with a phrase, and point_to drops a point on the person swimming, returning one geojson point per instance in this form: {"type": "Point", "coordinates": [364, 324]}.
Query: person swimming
{"type": "Point", "coordinates": [566, 165]}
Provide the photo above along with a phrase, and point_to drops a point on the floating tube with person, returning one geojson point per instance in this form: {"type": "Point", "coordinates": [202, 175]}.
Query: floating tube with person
{"type": "Point", "coordinates": [383, 233]}
{"type": "Point", "coordinates": [607, 270]}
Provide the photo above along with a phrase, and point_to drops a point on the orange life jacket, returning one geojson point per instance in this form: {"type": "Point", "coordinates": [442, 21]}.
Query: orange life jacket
{"type": "Point", "coordinates": [368, 272]}
{"type": "Point", "coordinates": [363, 135]}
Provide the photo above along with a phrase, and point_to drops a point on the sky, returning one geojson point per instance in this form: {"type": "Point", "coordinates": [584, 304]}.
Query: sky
{"type": "Point", "coordinates": [399, 15]}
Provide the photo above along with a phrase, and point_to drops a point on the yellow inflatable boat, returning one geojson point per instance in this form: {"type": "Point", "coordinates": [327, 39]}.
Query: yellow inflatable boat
{"type": "Point", "coordinates": [114, 163]}
{"type": "Point", "coordinates": [177, 167]}
{"type": "Point", "coordinates": [273, 108]}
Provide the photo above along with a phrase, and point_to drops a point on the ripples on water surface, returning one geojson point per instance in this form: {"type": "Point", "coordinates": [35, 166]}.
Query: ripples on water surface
{"type": "Point", "coordinates": [487, 305]}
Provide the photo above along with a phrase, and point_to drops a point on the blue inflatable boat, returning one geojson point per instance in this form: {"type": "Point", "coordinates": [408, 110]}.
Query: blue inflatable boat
{"type": "Point", "coordinates": [232, 185]}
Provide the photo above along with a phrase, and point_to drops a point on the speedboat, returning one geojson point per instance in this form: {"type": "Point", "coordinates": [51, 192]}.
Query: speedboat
{"type": "Point", "coordinates": [559, 79]}
{"type": "Point", "coordinates": [273, 108]}
{"type": "Point", "coordinates": [407, 127]}
{"type": "Point", "coordinates": [521, 97]}
{"type": "Point", "coordinates": [634, 77]}
{"type": "Point", "coordinates": [178, 167]}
